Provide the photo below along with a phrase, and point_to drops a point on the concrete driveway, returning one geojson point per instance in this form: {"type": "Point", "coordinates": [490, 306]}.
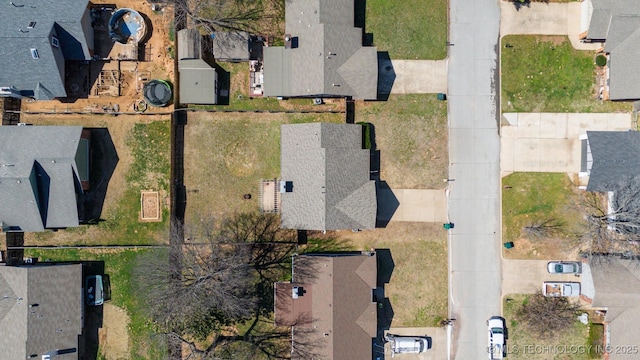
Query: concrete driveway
{"type": "Point", "coordinates": [415, 205]}
{"type": "Point", "coordinates": [540, 18]}
{"type": "Point", "coordinates": [527, 276]}
{"type": "Point", "coordinates": [419, 76]}
{"type": "Point", "coordinates": [439, 345]}
{"type": "Point", "coordinates": [550, 142]}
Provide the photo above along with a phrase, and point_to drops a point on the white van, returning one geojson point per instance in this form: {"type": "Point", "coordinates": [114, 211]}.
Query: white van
{"type": "Point", "coordinates": [408, 344]}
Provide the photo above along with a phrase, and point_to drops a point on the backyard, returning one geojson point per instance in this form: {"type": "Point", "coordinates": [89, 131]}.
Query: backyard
{"type": "Point", "coordinates": [412, 29]}
{"type": "Point", "coordinates": [411, 134]}
{"type": "Point", "coordinates": [575, 343]}
{"type": "Point", "coordinates": [529, 199]}
{"type": "Point", "coordinates": [545, 74]}
{"type": "Point", "coordinates": [141, 146]}
{"type": "Point", "coordinates": [226, 156]}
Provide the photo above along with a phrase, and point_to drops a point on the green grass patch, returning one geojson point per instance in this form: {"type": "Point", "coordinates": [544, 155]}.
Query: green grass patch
{"type": "Point", "coordinates": [411, 29]}
{"type": "Point", "coordinates": [119, 266]}
{"type": "Point", "coordinates": [531, 197]}
{"type": "Point", "coordinates": [596, 340]}
{"type": "Point", "coordinates": [412, 135]}
{"type": "Point", "coordinates": [572, 344]}
{"type": "Point", "coordinates": [545, 74]}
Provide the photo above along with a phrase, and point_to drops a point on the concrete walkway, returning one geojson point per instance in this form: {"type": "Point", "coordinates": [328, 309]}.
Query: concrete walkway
{"type": "Point", "coordinates": [547, 19]}
{"type": "Point", "coordinates": [419, 76]}
{"type": "Point", "coordinates": [550, 142]}
{"type": "Point", "coordinates": [527, 276]}
{"type": "Point", "coordinates": [415, 205]}
{"type": "Point", "coordinates": [438, 343]}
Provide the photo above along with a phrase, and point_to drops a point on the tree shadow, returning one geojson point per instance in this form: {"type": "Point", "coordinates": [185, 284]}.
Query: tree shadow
{"type": "Point", "coordinates": [104, 159]}
{"type": "Point", "coordinates": [386, 76]}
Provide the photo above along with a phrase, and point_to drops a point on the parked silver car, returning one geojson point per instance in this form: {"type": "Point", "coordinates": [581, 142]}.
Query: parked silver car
{"type": "Point", "coordinates": [408, 344]}
{"type": "Point", "coordinates": [564, 267]}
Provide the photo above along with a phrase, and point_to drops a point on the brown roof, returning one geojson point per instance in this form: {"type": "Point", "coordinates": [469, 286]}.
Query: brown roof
{"type": "Point", "coordinates": [337, 313]}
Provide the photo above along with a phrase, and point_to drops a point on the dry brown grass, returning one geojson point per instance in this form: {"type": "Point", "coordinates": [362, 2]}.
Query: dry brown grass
{"type": "Point", "coordinates": [418, 289]}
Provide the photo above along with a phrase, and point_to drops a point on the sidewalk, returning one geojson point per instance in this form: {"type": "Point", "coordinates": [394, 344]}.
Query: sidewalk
{"type": "Point", "coordinates": [547, 19]}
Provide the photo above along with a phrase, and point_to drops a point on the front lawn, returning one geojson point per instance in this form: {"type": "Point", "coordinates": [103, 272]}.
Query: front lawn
{"type": "Point", "coordinates": [411, 133]}
{"type": "Point", "coordinates": [529, 198]}
{"type": "Point", "coordinates": [418, 286]}
{"type": "Point", "coordinates": [545, 74]}
{"type": "Point", "coordinates": [521, 344]}
{"type": "Point", "coordinates": [410, 29]}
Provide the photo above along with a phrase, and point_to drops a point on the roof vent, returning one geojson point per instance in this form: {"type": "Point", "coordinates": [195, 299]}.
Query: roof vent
{"type": "Point", "coordinates": [34, 53]}
{"type": "Point", "coordinates": [31, 25]}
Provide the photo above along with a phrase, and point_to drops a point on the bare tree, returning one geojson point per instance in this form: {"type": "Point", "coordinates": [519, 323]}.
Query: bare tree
{"type": "Point", "coordinates": [547, 316]}
{"type": "Point", "coordinates": [539, 229]}
{"type": "Point", "coordinates": [612, 220]}
{"type": "Point", "coordinates": [223, 15]}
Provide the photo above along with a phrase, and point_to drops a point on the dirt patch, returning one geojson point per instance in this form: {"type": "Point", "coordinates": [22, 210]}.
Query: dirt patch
{"type": "Point", "coordinates": [555, 40]}
{"type": "Point", "coordinates": [114, 335]}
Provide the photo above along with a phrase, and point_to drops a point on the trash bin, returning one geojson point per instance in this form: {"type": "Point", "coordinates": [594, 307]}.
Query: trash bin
{"type": "Point", "coordinates": [442, 96]}
{"type": "Point", "coordinates": [447, 226]}
{"type": "Point", "coordinates": [508, 245]}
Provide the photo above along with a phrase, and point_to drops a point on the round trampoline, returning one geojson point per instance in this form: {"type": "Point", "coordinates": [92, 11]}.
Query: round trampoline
{"type": "Point", "coordinates": [127, 26]}
{"type": "Point", "coordinates": [157, 93]}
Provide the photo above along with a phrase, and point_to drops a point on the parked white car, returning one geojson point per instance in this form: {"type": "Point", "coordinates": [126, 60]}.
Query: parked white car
{"type": "Point", "coordinates": [564, 267]}
{"type": "Point", "coordinates": [408, 344]}
{"type": "Point", "coordinates": [497, 337]}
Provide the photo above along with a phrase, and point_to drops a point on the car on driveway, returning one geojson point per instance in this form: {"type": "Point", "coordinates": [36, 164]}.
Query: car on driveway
{"type": "Point", "coordinates": [564, 267]}
{"type": "Point", "coordinates": [94, 290]}
{"type": "Point", "coordinates": [497, 337]}
{"type": "Point", "coordinates": [408, 344]}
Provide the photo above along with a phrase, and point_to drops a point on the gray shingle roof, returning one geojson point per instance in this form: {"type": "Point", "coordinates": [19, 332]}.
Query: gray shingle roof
{"type": "Point", "coordinates": [231, 46]}
{"type": "Point", "coordinates": [616, 157]}
{"type": "Point", "coordinates": [618, 22]}
{"type": "Point", "coordinates": [42, 311]}
{"type": "Point", "coordinates": [198, 80]}
{"type": "Point", "coordinates": [330, 174]}
{"type": "Point", "coordinates": [617, 285]}
{"type": "Point", "coordinates": [329, 59]}
{"type": "Point", "coordinates": [38, 177]}
{"type": "Point", "coordinates": [42, 78]}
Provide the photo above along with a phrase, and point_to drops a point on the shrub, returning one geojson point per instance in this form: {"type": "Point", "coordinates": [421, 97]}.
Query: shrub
{"type": "Point", "coordinates": [366, 135]}
{"type": "Point", "coordinates": [601, 60]}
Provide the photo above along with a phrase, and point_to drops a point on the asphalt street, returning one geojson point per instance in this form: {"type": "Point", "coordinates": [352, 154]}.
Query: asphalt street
{"type": "Point", "coordinates": [474, 196]}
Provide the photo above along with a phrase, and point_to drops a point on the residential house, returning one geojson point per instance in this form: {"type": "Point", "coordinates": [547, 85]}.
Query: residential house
{"type": "Point", "coordinates": [323, 54]}
{"type": "Point", "coordinates": [617, 291]}
{"type": "Point", "coordinates": [43, 169]}
{"type": "Point", "coordinates": [325, 178]}
{"type": "Point", "coordinates": [41, 311]}
{"type": "Point", "coordinates": [617, 23]}
{"type": "Point", "coordinates": [330, 306]}
{"type": "Point", "coordinates": [609, 158]}
{"type": "Point", "coordinates": [38, 37]}
{"type": "Point", "coordinates": [198, 78]}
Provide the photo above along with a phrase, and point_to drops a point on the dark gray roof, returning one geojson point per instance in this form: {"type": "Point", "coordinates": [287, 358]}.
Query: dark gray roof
{"type": "Point", "coordinates": [198, 80]}
{"type": "Point", "coordinates": [38, 177]}
{"type": "Point", "coordinates": [40, 310]}
{"type": "Point", "coordinates": [231, 46]}
{"type": "Point", "coordinates": [330, 173]}
{"type": "Point", "coordinates": [329, 58]}
{"type": "Point", "coordinates": [617, 288]}
{"type": "Point", "coordinates": [616, 158]}
{"type": "Point", "coordinates": [42, 78]}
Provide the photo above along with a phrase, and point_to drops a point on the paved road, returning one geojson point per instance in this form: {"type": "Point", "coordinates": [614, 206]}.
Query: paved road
{"type": "Point", "coordinates": [474, 149]}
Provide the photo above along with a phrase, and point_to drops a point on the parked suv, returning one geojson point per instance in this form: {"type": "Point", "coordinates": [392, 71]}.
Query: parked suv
{"type": "Point", "coordinates": [497, 337]}
{"type": "Point", "coordinates": [94, 290]}
{"type": "Point", "coordinates": [408, 344]}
